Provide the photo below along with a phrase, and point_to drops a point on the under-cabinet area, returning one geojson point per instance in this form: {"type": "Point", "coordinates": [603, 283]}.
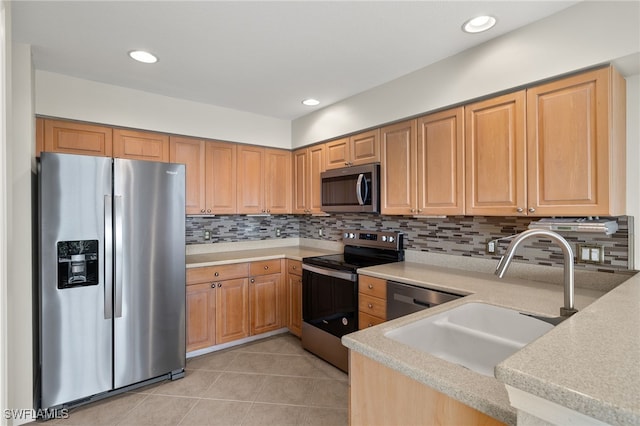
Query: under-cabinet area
{"type": "Point", "coordinates": [506, 155]}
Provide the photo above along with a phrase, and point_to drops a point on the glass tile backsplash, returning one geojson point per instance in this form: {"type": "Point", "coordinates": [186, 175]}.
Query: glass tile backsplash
{"type": "Point", "coordinates": [453, 235]}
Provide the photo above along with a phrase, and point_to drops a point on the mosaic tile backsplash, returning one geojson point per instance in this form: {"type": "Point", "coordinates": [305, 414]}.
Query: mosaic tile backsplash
{"type": "Point", "coordinates": [453, 235]}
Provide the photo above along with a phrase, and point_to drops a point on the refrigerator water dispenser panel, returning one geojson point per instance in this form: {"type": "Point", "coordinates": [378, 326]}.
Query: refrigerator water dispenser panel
{"type": "Point", "coordinates": [77, 263]}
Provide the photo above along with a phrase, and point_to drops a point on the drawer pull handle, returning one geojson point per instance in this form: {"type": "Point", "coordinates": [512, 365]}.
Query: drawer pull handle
{"type": "Point", "coordinates": [370, 306]}
{"type": "Point", "coordinates": [216, 274]}
{"type": "Point", "coordinates": [370, 286]}
{"type": "Point", "coordinates": [266, 268]}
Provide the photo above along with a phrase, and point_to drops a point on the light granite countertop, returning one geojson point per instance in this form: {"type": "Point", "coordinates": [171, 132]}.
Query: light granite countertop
{"type": "Point", "coordinates": [292, 248]}
{"type": "Point", "coordinates": [589, 363]}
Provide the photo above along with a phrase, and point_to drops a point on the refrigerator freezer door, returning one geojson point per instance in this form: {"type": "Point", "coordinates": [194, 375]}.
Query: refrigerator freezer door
{"type": "Point", "coordinates": [149, 285]}
{"type": "Point", "coordinates": [75, 330]}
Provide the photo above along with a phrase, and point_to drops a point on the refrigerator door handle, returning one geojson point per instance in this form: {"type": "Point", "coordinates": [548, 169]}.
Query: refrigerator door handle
{"type": "Point", "coordinates": [108, 256]}
{"type": "Point", "coordinates": [118, 258]}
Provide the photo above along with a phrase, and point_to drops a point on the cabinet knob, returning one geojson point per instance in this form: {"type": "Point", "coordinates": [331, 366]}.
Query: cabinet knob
{"type": "Point", "coordinates": [208, 210]}
{"type": "Point", "coordinates": [412, 210]}
{"type": "Point", "coordinates": [268, 210]}
{"type": "Point", "coordinates": [253, 280]}
{"type": "Point", "coordinates": [532, 210]}
{"type": "Point", "coordinates": [519, 209]}
{"type": "Point", "coordinates": [202, 211]}
{"type": "Point", "coordinates": [346, 163]}
{"type": "Point", "coordinates": [419, 210]}
{"type": "Point", "coordinates": [266, 268]}
{"type": "Point", "coordinates": [370, 306]}
{"type": "Point", "coordinates": [370, 286]}
{"type": "Point", "coordinates": [219, 285]}
{"type": "Point", "coordinates": [216, 274]}
{"type": "Point", "coordinates": [213, 285]}
{"type": "Point", "coordinates": [294, 267]}
{"type": "Point", "coordinates": [369, 325]}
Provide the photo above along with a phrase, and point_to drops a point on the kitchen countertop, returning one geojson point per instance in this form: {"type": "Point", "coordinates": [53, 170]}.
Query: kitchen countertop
{"type": "Point", "coordinates": [225, 257]}
{"type": "Point", "coordinates": [589, 363]}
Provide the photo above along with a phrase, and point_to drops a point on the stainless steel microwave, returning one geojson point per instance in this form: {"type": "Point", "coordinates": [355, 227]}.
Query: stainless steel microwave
{"type": "Point", "coordinates": [351, 189]}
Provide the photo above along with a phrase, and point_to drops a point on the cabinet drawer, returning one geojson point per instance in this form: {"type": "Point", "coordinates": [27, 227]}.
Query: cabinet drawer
{"type": "Point", "coordinates": [265, 267]}
{"type": "Point", "coordinates": [217, 273]}
{"type": "Point", "coordinates": [375, 287]}
{"type": "Point", "coordinates": [372, 305]}
{"type": "Point", "coordinates": [365, 320]}
{"type": "Point", "coordinates": [294, 267]}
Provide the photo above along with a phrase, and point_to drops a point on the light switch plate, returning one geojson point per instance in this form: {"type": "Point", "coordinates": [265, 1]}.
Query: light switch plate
{"type": "Point", "coordinates": [589, 253]}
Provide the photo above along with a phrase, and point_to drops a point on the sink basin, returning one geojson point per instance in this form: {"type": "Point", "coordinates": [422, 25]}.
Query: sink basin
{"type": "Point", "coordinates": [475, 335]}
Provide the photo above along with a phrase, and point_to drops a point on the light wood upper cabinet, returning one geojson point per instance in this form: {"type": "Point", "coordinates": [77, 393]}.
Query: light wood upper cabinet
{"type": "Point", "coordinates": [264, 180]}
{"type": "Point", "coordinates": [221, 178]}
{"type": "Point", "coordinates": [191, 153]}
{"type": "Point", "coordinates": [363, 148]}
{"type": "Point", "coordinates": [308, 164]}
{"type": "Point", "coordinates": [68, 137]}
{"type": "Point", "coordinates": [495, 156]}
{"type": "Point", "coordinates": [277, 181]}
{"type": "Point", "coordinates": [139, 145]}
{"type": "Point", "coordinates": [210, 174]}
{"type": "Point", "coordinates": [440, 166]}
{"type": "Point", "coordinates": [576, 145]}
{"type": "Point", "coordinates": [398, 168]}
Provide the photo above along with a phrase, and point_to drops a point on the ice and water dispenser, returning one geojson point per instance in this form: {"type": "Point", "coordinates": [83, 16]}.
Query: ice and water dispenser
{"type": "Point", "coordinates": [77, 263]}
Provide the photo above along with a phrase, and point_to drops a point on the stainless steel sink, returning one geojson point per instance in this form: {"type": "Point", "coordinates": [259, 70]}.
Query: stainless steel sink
{"type": "Point", "coordinates": [475, 335]}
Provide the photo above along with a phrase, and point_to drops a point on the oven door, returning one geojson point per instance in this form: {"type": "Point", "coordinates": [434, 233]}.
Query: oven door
{"type": "Point", "coordinates": [330, 299]}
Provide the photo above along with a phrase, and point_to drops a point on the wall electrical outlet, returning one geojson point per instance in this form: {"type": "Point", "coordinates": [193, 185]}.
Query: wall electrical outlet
{"type": "Point", "coordinates": [207, 235]}
{"type": "Point", "coordinates": [589, 253]}
{"type": "Point", "coordinates": [277, 232]}
{"type": "Point", "coordinates": [492, 246]}
{"type": "Point", "coordinates": [320, 232]}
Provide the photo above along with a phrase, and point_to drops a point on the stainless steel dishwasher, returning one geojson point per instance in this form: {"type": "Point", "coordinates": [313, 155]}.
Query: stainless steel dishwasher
{"type": "Point", "coordinates": [404, 299]}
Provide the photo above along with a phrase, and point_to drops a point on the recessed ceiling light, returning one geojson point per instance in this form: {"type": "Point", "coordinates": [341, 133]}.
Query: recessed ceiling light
{"type": "Point", "coordinates": [311, 102]}
{"type": "Point", "coordinates": [142, 56]}
{"type": "Point", "coordinates": [479, 24]}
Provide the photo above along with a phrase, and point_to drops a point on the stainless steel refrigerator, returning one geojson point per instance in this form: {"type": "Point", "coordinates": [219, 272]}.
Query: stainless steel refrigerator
{"type": "Point", "coordinates": [111, 278]}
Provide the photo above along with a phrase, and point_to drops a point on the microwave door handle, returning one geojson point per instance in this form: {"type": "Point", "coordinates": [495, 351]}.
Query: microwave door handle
{"type": "Point", "coordinates": [359, 188]}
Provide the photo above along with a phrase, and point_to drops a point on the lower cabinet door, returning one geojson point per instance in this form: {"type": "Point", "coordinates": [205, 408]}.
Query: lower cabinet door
{"type": "Point", "coordinates": [264, 297]}
{"type": "Point", "coordinates": [201, 316]}
{"type": "Point", "coordinates": [232, 310]}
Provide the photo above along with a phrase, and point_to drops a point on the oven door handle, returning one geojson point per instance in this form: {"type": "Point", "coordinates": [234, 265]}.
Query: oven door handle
{"type": "Point", "coordinates": [331, 272]}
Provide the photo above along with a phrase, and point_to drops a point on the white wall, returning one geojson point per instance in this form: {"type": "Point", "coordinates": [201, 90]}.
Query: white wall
{"type": "Point", "coordinates": [19, 284]}
{"type": "Point", "coordinates": [5, 45]}
{"type": "Point", "coordinates": [633, 160]}
{"type": "Point", "coordinates": [68, 97]}
{"type": "Point", "coordinates": [584, 35]}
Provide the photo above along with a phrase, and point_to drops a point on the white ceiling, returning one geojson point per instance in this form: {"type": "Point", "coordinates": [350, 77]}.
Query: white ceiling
{"type": "Point", "coordinates": [257, 56]}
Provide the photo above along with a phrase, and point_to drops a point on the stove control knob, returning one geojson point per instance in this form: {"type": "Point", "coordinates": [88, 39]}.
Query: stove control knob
{"type": "Point", "coordinates": [346, 235]}
{"type": "Point", "coordinates": [352, 235]}
{"type": "Point", "coordinates": [384, 238]}
{"type": "Point", "coordinates": [391, 239]}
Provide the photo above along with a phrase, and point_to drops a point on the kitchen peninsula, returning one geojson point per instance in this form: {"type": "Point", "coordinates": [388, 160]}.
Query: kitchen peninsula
{"type": "Point", "coordinates": [587, 364]}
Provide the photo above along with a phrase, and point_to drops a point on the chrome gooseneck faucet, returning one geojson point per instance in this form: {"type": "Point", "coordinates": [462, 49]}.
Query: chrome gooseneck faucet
{"type": "Point", "coordinates": [568, 309]}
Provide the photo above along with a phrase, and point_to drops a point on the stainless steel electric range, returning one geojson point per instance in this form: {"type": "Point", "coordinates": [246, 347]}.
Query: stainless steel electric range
{"type": "Point", "coordinates": [330, 290]}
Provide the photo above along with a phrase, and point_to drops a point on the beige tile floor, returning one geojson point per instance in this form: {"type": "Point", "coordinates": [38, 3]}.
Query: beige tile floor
{"type": "Point", "coordinates": [268, 382]}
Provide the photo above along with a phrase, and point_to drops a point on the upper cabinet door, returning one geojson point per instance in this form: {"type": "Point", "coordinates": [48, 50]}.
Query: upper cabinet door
{"type": "Point", "coordinates": [316, 164]}
{"type": "Point", "coordinates": [190, 152]}
{"type": "Point", "coordinates": [77, 138]}
{"type": "Point", "coordinates": [277, 181]}
{"type": "Point", "coordinates": [576, 145]}
{"type": "Point", "coordinates": [398, 168]}
{"type": "Point", "coordinates": [138, 145]}
{"type": "Point", "coordinates": [337, 154]}
{"type": "Point", "coordinates": [495, 156]}
{"type": "Point", "coordinates": [441, 163]}
{"type": "Point", "coordinates": [364, 148]}
{"type": "Point", "coordinates": [300, 180]}
{"type": "Point", "coordinates": [221, 177]}
{"type": "Point", "coordinates": [250, 174]}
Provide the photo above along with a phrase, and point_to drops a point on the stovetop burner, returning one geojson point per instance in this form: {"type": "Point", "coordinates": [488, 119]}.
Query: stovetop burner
{"type": "Point", "coordinates": [363, 249]}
